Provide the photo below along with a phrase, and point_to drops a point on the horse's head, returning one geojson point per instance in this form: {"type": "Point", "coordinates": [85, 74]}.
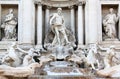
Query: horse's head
{"type": "Point", "coordinates": [33, 52]}
{"type": "Point", "coordinates": [93, 47]}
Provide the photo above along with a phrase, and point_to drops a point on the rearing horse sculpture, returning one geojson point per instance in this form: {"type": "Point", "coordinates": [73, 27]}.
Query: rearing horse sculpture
{"type": "Point", "coordinates": [91, 59]}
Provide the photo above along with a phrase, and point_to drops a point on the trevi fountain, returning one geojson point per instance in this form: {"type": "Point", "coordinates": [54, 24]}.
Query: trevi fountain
{"type": "Point", "coordinates": [59, 39]}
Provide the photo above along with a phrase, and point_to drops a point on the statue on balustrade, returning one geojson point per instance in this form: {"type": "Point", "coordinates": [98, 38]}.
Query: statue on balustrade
{"type": "Point", "coordinates": [109, 23]}
{"type": "Point", "coordinates": [9, 26]}
{"type": "Point", "coordinates": [59, 34]}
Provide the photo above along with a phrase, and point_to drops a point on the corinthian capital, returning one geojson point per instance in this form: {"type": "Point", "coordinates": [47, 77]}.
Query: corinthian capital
{"type": "Point", "coordinates": [81, 2]}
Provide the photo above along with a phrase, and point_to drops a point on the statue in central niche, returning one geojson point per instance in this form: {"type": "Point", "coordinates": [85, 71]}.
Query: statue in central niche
{"type": "Point", "coordinates": [58, 26]}
{"type": "Point", "coordinates": [59, 40]}
{"type": "Point", "coordinates": [58, 34]}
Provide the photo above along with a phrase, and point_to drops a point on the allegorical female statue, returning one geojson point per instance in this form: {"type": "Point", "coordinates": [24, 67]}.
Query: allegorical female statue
{"type": "Point", "coordinates": [109, 23]}
{"type": "Point", "coordinates": [9, 26]}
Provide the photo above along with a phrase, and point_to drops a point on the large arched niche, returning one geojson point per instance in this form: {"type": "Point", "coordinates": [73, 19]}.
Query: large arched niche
{"type": "Point", "coordinates": [70, 13]}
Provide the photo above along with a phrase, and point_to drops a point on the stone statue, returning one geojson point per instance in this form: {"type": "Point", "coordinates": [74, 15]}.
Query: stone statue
{"type": "Point", "coordinates": [91, 58]}
{"type": "Point", "coordinates": [12, 58]}
{"type": "Point", "coordinates": [110, 53]}
{"type": "Point", "coordinates": [59, 34]}
{"type": "Point", "coordinates": [28, 59]}
{"type": "Point", "coordinates": [9, 26]}
{"type": "Point", "coordinates": [109, 23]}
{"type": "Point", "coordinates": [57, 26]}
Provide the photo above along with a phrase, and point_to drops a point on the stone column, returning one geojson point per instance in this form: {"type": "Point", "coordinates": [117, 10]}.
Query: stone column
{"type": "Point", "coordinates": [28, 24]}
{"type": "Point", "coordinates": [20, 21]}
{"type": "Point", "coordinates": [47, 13]}
{"type": "Point", "coordinates": [80, 24]}
{"type": "Point", "coordinates": [72, 19]}
{"type": "Point", "coordinates": [119, 22]}
{"type": "Point", "coordinates": [39, 25]}
{"type": "Point", "coordinates": [91, 25]}
{"type": "Point", "coordinates": [0, 13]}
{"type": "Point", "coordinates": [99, 27]}
{"type": "Point", "coordinates": [0, 20]}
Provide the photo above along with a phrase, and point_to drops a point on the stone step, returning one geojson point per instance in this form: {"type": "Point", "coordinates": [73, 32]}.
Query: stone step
{"type": "Point", "coordinates": [56, 77]}
{"type": "Point", "coordinates": [61, 77]}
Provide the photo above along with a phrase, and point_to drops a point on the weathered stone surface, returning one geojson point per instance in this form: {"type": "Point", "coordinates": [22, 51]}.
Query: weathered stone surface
{"type": "Point", "coordinates": [110, 72]}
{"type": "Point", "coordinates": [82, 27]}
{"type": "Point", "coordinates": [18, 71]}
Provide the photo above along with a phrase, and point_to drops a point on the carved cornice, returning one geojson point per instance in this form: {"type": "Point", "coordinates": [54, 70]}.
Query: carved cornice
{"type": "Point", "coordinates": [80, 3]}
{"type": "Point", "coordinates": [71, 7]}
{"type": "Point", "coordinates": [60, 3]}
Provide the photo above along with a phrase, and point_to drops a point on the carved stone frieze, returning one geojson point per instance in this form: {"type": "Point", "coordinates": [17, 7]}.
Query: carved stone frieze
{"type": "Point", "coordinates": [61, 3]}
